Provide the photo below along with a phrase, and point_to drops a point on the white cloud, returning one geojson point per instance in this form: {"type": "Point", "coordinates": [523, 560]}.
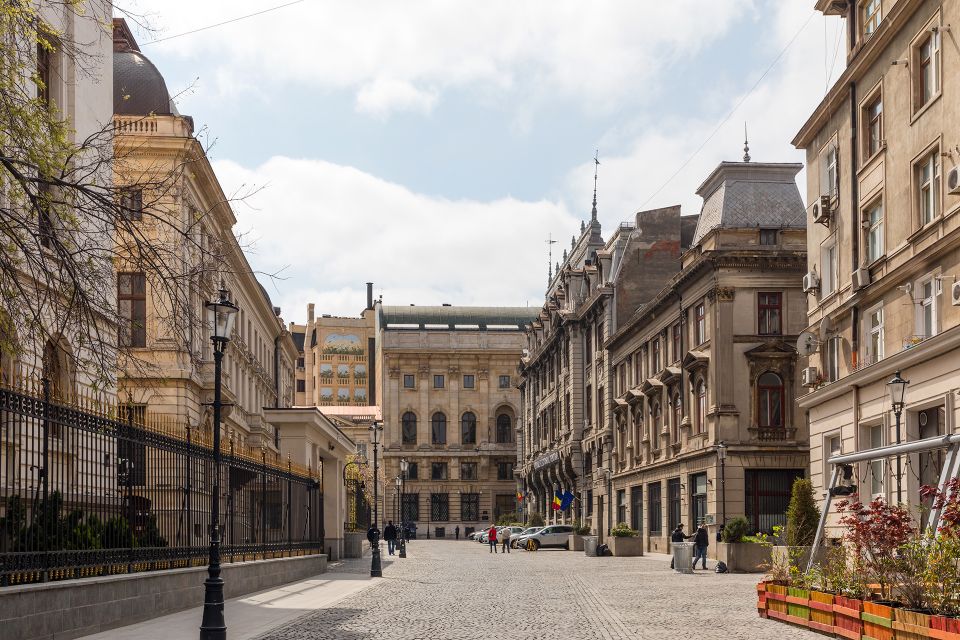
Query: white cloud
{"type": "Point", "coordinates": [328, 229]}
{"type": "Point", "coordinates": [405, 54]}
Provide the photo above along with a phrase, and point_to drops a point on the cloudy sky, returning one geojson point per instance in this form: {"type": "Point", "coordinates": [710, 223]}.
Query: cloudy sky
{"type": "Point", "coordinates": [432, 146]}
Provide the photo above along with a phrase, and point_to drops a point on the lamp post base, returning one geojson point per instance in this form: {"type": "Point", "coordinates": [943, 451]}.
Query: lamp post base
{"type": "Point", "coordinates": [375, 570]}
{"type": "Point", "coordinates": [403, 548]}
{"type": "Point", "coordinates": [213, 626]}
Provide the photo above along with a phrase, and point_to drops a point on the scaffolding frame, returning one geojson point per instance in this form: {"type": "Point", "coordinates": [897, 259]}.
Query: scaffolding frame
{"type": "Point", "coordinates": [951, 468]}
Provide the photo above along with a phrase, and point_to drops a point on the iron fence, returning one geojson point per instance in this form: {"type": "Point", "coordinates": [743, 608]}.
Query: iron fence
{"type": "Point", "coordinates": [89, 491]}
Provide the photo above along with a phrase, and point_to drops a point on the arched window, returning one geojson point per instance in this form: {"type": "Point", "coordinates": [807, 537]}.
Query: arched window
{"type": "Point", "coordinates": [504, 429]}
{"type": "Point", "coordinates": [438, 428]}
{"type": "Point", "coordinates": [770, 400]}
{"type": "Point", "coordinates": [468, 428]}
{"type": "Point", "coordinates": [409, 422]}
{"type": "Point", "coordinates": [701, 407]}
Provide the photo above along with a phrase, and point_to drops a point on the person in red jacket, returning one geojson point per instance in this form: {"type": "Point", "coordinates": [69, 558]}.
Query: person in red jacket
{"type": "Point", "coordinates": [492, 538]}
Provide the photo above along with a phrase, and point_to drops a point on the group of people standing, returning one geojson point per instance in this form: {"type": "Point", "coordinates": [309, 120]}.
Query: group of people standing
{"type": "Point", "coordinates": [503, 537]}
{"type": "Point", "coordinates": [390, 533]}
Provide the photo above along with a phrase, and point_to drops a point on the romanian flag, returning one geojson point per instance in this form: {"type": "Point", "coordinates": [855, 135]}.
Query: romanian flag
{"type": "Point", "coordinates": [566, 500]}
{"type": "Point", "coordinates": [557, 499]}
{"type": "Point", "coordinates": [519, 497]}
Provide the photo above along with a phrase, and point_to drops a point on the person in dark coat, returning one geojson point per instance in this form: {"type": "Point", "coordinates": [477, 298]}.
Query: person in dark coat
{"type": "Point", "coordinates": [457, 531]}
{"type": "Point", "coordinates": [373, 535]}
{"type": "Point", "coordinates": [390, 535]}
{"type": "Point", "coordinates": [678, 536]}
{"type": "Point", "coordinates": [700, 542]}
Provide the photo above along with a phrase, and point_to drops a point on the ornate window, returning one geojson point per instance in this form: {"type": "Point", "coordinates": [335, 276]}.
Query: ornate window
{"type": "Point", "coordinates": [677, 417]}
{"type": "Point", "coordinates": [409, 422]}
{"type": "Point", "coordinates": [770, 400]}
{"type": "Point", "coordinates": [505, 428]}
{"type": "Point", "coordinates": [769, 313]}
{"type": "Point", "coordinates": [438, 428]}
{"type": "Point", "coordinates": [701, 407]}
{"type": "Point", "coordinates": [468, 428]}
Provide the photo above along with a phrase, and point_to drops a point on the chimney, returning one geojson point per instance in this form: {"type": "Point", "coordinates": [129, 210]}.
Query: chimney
{"type": "Point", "coordinates": [310, 312]}
{"type": "Point", "coordinates": [369, 295]}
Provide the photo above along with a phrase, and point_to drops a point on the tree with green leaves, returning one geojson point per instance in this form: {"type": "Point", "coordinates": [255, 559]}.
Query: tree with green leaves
{"type": "Point", "coordinates": [803, 515]}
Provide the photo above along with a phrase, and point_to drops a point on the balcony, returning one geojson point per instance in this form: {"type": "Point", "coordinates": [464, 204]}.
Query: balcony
{"type": "Point", "coordinates": [772, 434]}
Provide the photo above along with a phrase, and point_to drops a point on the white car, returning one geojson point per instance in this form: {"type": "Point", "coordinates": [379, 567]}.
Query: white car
{"type": "Point", "coordinates": [556, 535]}
{"type": "Point", "coordinates": [518, 541]}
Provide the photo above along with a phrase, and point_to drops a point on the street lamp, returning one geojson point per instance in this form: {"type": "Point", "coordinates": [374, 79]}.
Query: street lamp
{"type": "Point", "coordinates": [897, 388]}
{"type": "Point", "coordinates": [722, 457]}
{"type": "Point", "coordinates": [375, 571]}
{"type": "Point", "coordinates": [221, 315]}
{"type": "Point", "coordinates": [404, 466]}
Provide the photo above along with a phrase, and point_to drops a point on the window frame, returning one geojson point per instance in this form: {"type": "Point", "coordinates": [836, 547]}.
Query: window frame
{"type": "Point", "coordinates": [828, 277]}
{"type": "Point", "coordinates": [439, 470]}
{"type": "Point", "coordinates": [933, 186]}
{"type": "Point", "coordinates": [919, 62]}
{"type": "Point", "coordinates": [765, 308]}
{"type": "Point", "coordinates": [412, 379]}
{"type": "Point", "coordinates": [766, 235]}
{"type": "Point", "coordinates": [133, 333]}
{"type": "Point", "coordinates": [700, 323]}
{"type": "Point", "coordinates": [927, 302]}
{"type": "Point", "coordinates": [869, 22]}
{"type": "Point", "coordinates": [832, 356]}
{"type": "Point", "coordinates": [504, 382]}
{"type": "Point", "coordinates": [131, 203]}
{"type": "Point", "coordinates": [438, 426]}
{"type": "Point", "coordinates": [701, 406]}
{"type": "Point", "coordinates": [764, 392]}
{"type": "Point", "coordinates": [873, 230]}
{"type": "Point", "coordinates": [439, 381]}
{"type": "Point", "coordinates": [473, 470]}
{"type": "Point", "coordinates": [509, 428]}
{"type": "Point", "coordinates": [872, 126]}
{"type": "Point", "coordinates": [466, 425]}
{"type": "Point", "coordinates": [873, 334]}
{"type": "Point", "coordinates": [469, 381]}
{"type": "Point", "coordinates": [405, 424]}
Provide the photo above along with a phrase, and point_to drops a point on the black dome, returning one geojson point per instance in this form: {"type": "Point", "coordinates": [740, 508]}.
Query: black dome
{"type": "Point", "coordinates": [138, 87]}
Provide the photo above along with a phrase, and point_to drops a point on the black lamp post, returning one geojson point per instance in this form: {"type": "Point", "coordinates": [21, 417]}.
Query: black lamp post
{"type": "Point", "coordinates": [898, 388]}
{"type": "Point", "coordinates": [221, 315]}
{"type": "Point", "coordinates": [404, 466]}
{"type": "Point", "coordinates": [375, 569]}
{"type": "Point", "coordinates": [722, 456]}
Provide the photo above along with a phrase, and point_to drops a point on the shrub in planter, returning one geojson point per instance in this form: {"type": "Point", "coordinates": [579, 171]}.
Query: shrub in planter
{"type": "Point", "coordinates": [875, 531]}
{"type": "Point", "coordinates": [623, 531]}
{"type": "Point", "coordinates": [803, 515]}
{"type": "Point", "coordinates": [580, 529]}
{"type": "Point", "coordinates": [735, 530]}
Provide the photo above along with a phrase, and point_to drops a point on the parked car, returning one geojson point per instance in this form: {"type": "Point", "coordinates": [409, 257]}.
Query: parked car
{"type": "Point", "coordinates": [557, 536]}
{"type": "Point", "coordinates": [516, 538]}
{"type": "Point", "coordinates": [514, 531]}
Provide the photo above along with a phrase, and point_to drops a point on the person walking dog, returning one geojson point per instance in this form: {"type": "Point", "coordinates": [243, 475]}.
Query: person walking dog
{"type": "Point", "coordinates": [492, 538]}
{"type": "Point", "coordinates": [700, 542]}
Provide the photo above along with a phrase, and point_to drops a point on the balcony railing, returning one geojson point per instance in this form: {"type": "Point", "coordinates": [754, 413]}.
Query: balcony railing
{"type": "Point", "coordinates": [773, 434]}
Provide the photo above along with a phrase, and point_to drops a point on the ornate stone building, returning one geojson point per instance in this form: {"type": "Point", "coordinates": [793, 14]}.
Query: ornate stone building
{"type": "Point", "coordinates": [708, 363]}
{"type": "Point", "coordinates": [883, 187]}
{"type": "Point", "coordinates": [450, 405]}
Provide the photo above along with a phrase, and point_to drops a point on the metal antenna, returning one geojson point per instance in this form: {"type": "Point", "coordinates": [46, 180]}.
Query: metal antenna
{"type": "Point", "coordinates": [596, 162]}
{"type": "Point", "coordinates": [550, 242]}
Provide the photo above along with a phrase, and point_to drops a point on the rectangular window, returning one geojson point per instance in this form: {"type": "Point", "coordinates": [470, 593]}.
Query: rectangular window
{"type": "Point", "coordinates": [438, 470]}
{"type": "Point", "coordinates": [926, 302]}
{"type": "Point", "coordinates": [469, 507]}
{"type": "Point", "coordinates": [655, 356]}
{"type": "Point", "coordinates": [299, 363]}
{"type": "Point", "coordinates": [928, 187]}
{"type": "Point", "coordinates": [832, 351]}
{"type": "Point", "coordinates": [589, 502]}
{"type": "Point", "coordinates": [870, 17]}
{"type": "Point", "coordinates": [676, 343]}
{"type": "Point", "coordinates": [654, 509]}
{"type": "Point", "coordinates": [698, 499]}
{"type": "Point", "coordinates": [588, 355]}
{"type": "Point", "coordinates": [589, 397]}
{"type": "Point", "coordinates": [438, 382]}
{"type": "Point", "coordinates": [621, 506]}
{"type": "Point", "coordinates": [673, 503]}
{"type": "Point", "coordinates": [132, 307]}
{"type": "Point", "coordinates": [874, 334]}
{"type": "Point", "coordinates": [409, 381]}
{"type": "Point", "coordinates": [832, 446]}
{"type": "Point", "coordinates": [410, 506]}
{"type": "Point", "coordinates": [301, 386]}
{"type": "Point", "coordinates": [413, 472]}
{"type": "Point", "coordinates": [873, 438]}
{"type": "Point", "coordinates": [44, 75]}
{"type": "Point", "coordinates": [505, 381]}
{"type": "Point", "coordinates": [362, 450]}
{"type": "Point", "coordinates": [700, 319]}
{"type": "Point", "coordinates": [873, 223]}
{"type": "Point", "coordinates": [926, 74]}
{"type": "Point", "coordinates": [829, 175]}
{"type": "Point", "coordinates": [468, 382]}
{"type": "Point", "coordinates": [828, 266]}
{"type": "Point", "coordinates": [439, 507]}
{"type": "Point", "coordinates": [636, 508]}
{"type": "Point", "coordinates": [769, 313]}
{"type": "Point", "coordinates": [131, 204]}
{"type": "Point", "coordinates": [468, 470]}
{"type": "Point", "coordinates": [504, 471]}
{"type": "Point", "coordinates": [768, 236]}
{"type": "Point", "coordinates": [873, 127]}
{"type": "Point", "coordinates": [767, 496]}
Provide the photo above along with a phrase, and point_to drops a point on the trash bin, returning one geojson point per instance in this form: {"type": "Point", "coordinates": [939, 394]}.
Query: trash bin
{"type": "Point", "coordinates": [683, 556]}
{"type": "Point", "coordinates": [590, 546]}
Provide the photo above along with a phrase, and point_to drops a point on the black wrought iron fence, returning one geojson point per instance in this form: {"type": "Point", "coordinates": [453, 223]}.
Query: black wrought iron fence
{"type": "Point", "coordinates": [89, 491]}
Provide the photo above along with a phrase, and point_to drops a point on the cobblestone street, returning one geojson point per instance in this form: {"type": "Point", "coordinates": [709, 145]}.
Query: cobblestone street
{"type": "Point", "coordinates": [459, 591]}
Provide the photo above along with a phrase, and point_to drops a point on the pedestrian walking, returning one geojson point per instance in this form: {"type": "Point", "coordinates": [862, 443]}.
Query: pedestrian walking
{"type": "Point", "coordinates": [700, 543]}
{"type": "Point", "coordinates": [492, 538]}
{"type": "Point", "coordinates": [373, 535]}
{"type": "Point", "coordinates": [390, 535]}
{"type": "Point", "coordinates": [678, 536]}
{"type": "Point", "coordinates": [505, 539]}
{"type": "Point", "coordinates": [456, 531]}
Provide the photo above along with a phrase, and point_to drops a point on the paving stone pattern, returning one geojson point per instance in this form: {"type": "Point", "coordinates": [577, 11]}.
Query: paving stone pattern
{"type": "Point", "coordinates": [447, 590]}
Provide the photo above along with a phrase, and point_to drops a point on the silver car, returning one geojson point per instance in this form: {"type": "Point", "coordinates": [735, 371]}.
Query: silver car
{"type": "Point", "coordinates": [556, 536]}
{"type": "Point", "coordinates": [518, 541]}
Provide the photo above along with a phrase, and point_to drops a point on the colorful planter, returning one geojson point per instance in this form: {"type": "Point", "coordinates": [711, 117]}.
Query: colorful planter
{"type": "Point", "coordinates": [798, 606]}
{"type": "Point", "coordinates": [762, 599]}
{"type": "Point", "coordinates": [846, 617]}
{"type": "Point", "coordinates": [776, 601]}
{"type": "Point", "coordinates": [821, 611]}
{"type": "Point", "coordinates": [911, 625]}
{"type": "Point", "coordinates": [944, 628]}
{"type": "Point", "coordinates": [877, 621]}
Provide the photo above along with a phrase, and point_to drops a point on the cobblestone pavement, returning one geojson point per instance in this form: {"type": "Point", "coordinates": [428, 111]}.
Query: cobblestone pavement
{"type": "Point", "coordinates": [448, 590]}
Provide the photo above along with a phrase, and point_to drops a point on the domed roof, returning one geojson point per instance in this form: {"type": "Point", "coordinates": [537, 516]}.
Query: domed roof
{"type": "Point", "coordinates": [138, 87]}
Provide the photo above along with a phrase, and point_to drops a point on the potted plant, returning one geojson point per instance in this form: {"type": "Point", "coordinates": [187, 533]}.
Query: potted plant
{"type": "Point", "coordinates": [743, 553]}
{"type": "Point", "coordinates": [576, 538]}
{"type": "Point", "coordinates": [625, 541]}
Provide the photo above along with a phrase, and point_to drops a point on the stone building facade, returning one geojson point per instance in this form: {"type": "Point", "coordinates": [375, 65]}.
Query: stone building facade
{"type": "Point", "coordinates": [883, 187]}
{"type": "Point", "coordinates": [709, 362]}
{"type": "Point", "coordinates": [450, 405]}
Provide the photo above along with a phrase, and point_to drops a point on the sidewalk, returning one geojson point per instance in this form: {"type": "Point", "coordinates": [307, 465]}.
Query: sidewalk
{"type": "Point", "coordinates": [254, 614]}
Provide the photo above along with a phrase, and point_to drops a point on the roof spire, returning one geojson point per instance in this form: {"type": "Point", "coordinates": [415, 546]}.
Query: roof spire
{"type": "Point", "coordinates": [596, 163]}
{"type": "Point", "coordinates": [550, 242]}
{"type": "Point", "coordinates": [746, 144]}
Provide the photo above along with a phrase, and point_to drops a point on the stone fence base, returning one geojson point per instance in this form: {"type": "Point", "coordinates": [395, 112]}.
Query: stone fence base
{"type": "Point", "coordinates": [73, 608]}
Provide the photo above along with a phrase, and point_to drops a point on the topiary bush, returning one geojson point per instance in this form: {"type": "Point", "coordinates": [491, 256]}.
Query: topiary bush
{"type": "Point", "coordinates": [803, 515]}
{"type": "Point", "coordinates": [735, 530]}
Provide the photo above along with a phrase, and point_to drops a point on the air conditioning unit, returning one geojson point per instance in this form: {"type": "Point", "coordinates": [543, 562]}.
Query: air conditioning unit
{"type": "Point", "coordinates": [811, 282]}
{"type": "Point", "coordinates": [953, 181]}
{"type": "Point", "coordinates": [820, 210]}
{"type": "Point", "coordinates": [810, 377]}
{"type": "Point", "coordinates": [955, 294]}
{"type": "Point", "coordinates": [861, 278]}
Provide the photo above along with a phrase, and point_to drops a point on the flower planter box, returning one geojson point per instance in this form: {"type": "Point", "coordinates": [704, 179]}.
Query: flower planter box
{"type": "Point", "coordinates": [846, 617]}
{"type": "Point", "coordinates": [944, 628]}
{"type": "Point", "coordinates": [798, 606]}
{"type": "Point", "coordinates": [626, 546]}
{"type": "Point", "coordinates": [762, 599]}
{"type": "Point", "coordinates": [821, 611]}
{"type": "Point", "coordinates": [575, 543]}
{"type": "Point", "coordinates": [744, 557]}
{"type": "Point", "coordinates": [911, 625]}
{"type": "Point", "coordinates": [877, 620]}
{"type": "Point", "coordinates": [776, 599]}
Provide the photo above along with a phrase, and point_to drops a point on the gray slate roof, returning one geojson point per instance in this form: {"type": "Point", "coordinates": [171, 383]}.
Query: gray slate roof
{"type": "Point", "coordinates": [750, 195]}
{"type": "Point", "coordinates": [451, 317]}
